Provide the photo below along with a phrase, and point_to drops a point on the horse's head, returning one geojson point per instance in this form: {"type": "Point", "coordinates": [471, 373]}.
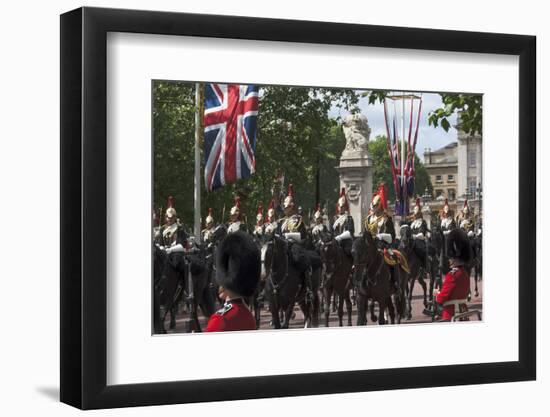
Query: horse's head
{"type": "Point", "coordinates": [436, 235]}
{"type": "Point", "coordinates": [360, 254]}
{"type": "Point", "coordinates": [328, 251]}
{"type": "Point", "coordinates": [405, 235]}
{"type": "Point", "coordinates": [219, 233]}
{"type": "Point", "coordinates": [267, 252]}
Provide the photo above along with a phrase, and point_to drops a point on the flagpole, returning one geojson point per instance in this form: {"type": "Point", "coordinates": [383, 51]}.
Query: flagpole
{"type": "Point", "coordinates": [403, 181]}
{"type": "Point", "coordinates": [197, 208]}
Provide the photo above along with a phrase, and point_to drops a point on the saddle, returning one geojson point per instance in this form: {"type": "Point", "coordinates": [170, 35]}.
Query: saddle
{"type": "Point", "coordinates": [396, 258]}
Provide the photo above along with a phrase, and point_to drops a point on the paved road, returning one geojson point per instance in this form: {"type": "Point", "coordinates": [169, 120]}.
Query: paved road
{"type": "Point", "coordinates": [298, 321]}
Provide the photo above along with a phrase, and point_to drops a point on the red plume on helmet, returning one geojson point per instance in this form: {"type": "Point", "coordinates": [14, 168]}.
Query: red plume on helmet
{"type": "Point", "coordinates": [170, 209]}
{"type": "Point", "coordinates": [465, 203]}
{"type": "Point", "coordinates": [210, 218]}
{"type": "Point", "coordinates": [270, 209]}
{"type": "Point", "coordinates": [290, 190]}
{"type": "Point", "coordinates": [382, 193]}
{"type": "Point", "coordinates": [289, 199]}
{"type": "Point", "coordinates": [342, 204]}
{"type": "Point", "coordinates": [317, 214]}
{"type": "Point", "coordinates": [236, 209]}
{"type": "Point", "coordinates": [260, 214]}
{"type": "Point", "coordinates": [171, 202]}
{"type": "Point", "coordinates": [446, 203]}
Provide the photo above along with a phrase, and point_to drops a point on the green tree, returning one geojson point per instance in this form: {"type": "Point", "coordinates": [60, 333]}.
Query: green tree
{"type": "Point", "coordinates": [382, 169]}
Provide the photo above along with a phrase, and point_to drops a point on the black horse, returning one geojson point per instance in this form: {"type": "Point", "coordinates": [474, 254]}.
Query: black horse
{"type": "Point", "coordinates": [477, 263]}
{"type": "Point", "coordinates": [421, 264]}
{"type": "Point", "coordinates": [442, 265]}
{"type": "Point", "coordinates": [371, 277]}
{"type": "Point", "coordinates": [210, 249]}
{"type": "Point", "coordinates": [285, 285]}
{"type": "Point", "coordinates": [336, 278]}
{"type": "Point", "coordinates": [182, 277]}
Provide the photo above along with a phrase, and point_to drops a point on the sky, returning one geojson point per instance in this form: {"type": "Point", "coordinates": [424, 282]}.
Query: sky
{"type": "Point", "coordinates": [428, 136]}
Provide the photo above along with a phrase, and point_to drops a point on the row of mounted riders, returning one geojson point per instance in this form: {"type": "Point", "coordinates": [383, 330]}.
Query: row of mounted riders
{"type": "Point", "coordinates": [361, 270]}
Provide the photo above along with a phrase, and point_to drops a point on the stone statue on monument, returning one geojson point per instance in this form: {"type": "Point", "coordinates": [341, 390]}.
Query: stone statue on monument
{"type": "Point", "coordinates": [357, 133]}
{"type": "Point", "coordinates": [355, 166]}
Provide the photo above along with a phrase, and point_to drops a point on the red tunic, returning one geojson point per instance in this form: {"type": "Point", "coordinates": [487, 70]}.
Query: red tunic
{"type": "Point", "coordinates": [455, 287]}
{"type": "Point", "coordinates": [234, 315]}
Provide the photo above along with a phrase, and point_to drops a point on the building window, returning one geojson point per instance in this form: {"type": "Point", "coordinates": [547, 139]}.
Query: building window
{"type": "Point", "coordinates": [438, 179]}
{"type": "Point", "coordinates": [452, 194]}
{"type": "Point", "coordinates": [472, 156]}
{"type": "Point", "coordinates": [438, 193]}
{"type": "Point", "coordinates": [472, 185]}
{"type": "Point", "coordinates": [450, 178]}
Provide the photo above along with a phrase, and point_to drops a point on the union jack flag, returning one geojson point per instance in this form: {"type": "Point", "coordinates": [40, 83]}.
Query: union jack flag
{"type": "Point", "coordinates": [230, 119]}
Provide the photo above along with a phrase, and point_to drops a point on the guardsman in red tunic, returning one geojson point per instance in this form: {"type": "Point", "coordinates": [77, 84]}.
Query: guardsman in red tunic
{"type": "Point", "coordinates": [456, 286]}
{"type": "Point", "coordinates": [238, 273]}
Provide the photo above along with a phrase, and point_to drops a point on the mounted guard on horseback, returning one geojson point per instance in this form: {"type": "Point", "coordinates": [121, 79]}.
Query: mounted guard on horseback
{"type": "Point", "coordinates": [419, 231]}
{"type": "Point", "coordinates": [320, 230]}
{"type": "Point", "coordinates": [259, 227]}
{"type": "Point", "coordinates": [172, 237]}
{"type": "Point", "coordinates": [293, 229]}
{"type": "Point", "coordinates": [271, 223]}
{"type": "Point", "coordinates": [343, 226]}
{"type": "Point", "coordinates": [466, 221]}
{"type": "Point", "coordinates": [235, 224]}
{"type": "Point", "coordinates": [380, 226]}
{"type": "Point", "coordinates": [207, 233]}
{"type": "Point", "coordinates": [181, 275]}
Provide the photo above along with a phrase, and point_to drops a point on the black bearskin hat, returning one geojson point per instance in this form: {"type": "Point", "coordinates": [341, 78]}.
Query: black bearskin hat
{"type": "Point", "coordinates": [458, 246]}
{"type": "Point", "coordinates": [238, 264]}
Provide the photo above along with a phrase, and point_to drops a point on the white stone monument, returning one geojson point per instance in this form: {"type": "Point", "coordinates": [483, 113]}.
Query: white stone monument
{"type": "Point", "coordinates": [356, 168]}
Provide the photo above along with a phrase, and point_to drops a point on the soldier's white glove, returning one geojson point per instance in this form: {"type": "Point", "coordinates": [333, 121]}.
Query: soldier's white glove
{"type": "Point", "coordinates": [293, 236]}
{"type": "Point", "coordinates": [419, 236]}
{"type": "Point", "coordinates": [343, 236]}
{"type": "Point", "coordinates": [470, 234]}
{"type": "Point", "coordinates": [446, 232]}
{"type": "Point", "coordinates": [174, 249]}
{"type": "Point", "coordinates": [386, 237]}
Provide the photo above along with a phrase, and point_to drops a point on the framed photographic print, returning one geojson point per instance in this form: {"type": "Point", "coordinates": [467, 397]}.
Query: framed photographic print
{"type": "Point", "coordinates": [321, 207]}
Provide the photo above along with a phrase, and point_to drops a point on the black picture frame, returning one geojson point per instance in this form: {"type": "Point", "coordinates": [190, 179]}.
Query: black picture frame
{"type": "Point", "coordinates": [84, 207]}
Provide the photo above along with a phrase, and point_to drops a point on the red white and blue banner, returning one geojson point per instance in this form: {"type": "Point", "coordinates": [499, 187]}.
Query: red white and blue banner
{"type": "Point", "coordinates": [402, 156]}
{"type": "Point", "coordinates": [230, 121]}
